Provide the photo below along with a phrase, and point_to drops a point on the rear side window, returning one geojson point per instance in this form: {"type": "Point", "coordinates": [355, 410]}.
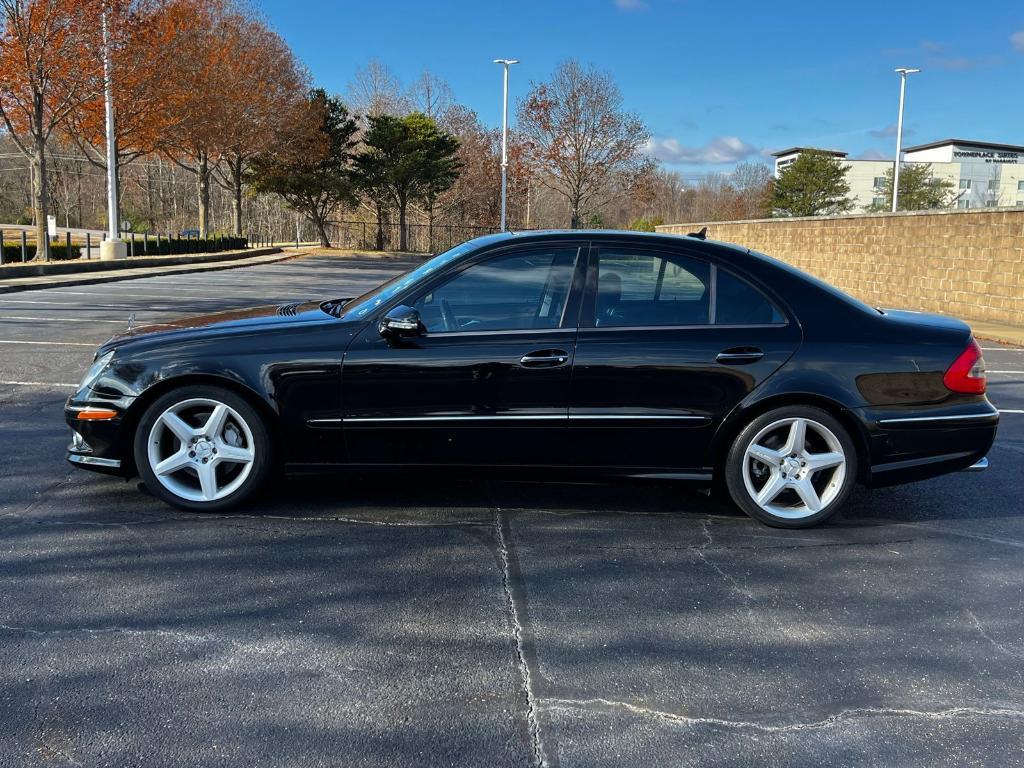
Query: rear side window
{"type": "Point", "coordinates": [739, 303]}
{"type": "Point", "coordinates": [646, 289]}
{"type": "Point", "coordinates": [638, 289]}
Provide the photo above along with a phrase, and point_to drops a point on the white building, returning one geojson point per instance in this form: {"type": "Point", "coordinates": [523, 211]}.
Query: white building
{"type": "Point", "coordinates": [983, 174]}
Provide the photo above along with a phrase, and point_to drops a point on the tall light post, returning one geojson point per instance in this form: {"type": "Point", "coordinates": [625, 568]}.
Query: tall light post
{"type": "Point", "coordinates": [903, 72]}
{"type": "Point", "coordinates": [506, 63]}
{"type": "Point", "coordinates": [112, 247]}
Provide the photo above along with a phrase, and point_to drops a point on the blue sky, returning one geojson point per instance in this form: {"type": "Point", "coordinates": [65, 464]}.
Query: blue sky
{"type": "Point", "coordinates": [716, 82]}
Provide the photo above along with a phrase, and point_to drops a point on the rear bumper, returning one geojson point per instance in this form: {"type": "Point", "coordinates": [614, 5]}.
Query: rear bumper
{"type": "Point", "coordinates": [916, 445]}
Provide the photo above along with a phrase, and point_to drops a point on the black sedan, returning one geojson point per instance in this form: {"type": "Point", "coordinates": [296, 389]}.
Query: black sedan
{"type": "Point", "coordinates": [653, 356]}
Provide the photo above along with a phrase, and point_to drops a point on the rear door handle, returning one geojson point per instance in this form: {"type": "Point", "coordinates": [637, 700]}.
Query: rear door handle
{"type": "Point", "coordinates": [739, 355]}
{"type": "Point", "coordinates": [544, 358]}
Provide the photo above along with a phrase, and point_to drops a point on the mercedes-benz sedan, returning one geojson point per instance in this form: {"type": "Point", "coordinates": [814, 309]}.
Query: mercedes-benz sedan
{"type": "Point", "coordinates": [608, 353]}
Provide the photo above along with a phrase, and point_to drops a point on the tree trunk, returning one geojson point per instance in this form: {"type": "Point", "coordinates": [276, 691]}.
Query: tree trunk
{"type": "Point", "coordinates": [380, 226]}
{"type": "Point", "coordinates": [236, 196]}
{"type": "Point", "coordinates": [203, 188]}
{"type": "Point", "coordinates": [321, 230]}
{"type": "Point", "coordinates": [574, 220]}
{"type": "Point", "coordinates": [40, 203]}
{"type": "Point", "coordinates": [403, 239]}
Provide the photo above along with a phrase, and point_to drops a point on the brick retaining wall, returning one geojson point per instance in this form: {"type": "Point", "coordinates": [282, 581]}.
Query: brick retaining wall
{"type": "Point", "coordinates": [969, 264]}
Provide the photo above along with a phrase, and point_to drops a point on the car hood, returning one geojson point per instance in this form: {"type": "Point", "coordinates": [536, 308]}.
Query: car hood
{"type": "Point", "coordinates": [226, 322]}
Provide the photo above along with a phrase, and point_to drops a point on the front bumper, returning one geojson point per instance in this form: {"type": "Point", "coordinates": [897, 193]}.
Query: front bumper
{"type": "Point", "coordinates": [98, 445]}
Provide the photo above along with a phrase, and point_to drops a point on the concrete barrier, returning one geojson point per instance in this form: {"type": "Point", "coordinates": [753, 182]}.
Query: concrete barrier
{"type": "Point", "coordinates": [969, 264]}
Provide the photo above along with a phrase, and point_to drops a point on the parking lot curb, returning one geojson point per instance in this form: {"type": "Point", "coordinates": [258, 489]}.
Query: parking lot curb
{"type": "Point", "coordinates": [15, 285]}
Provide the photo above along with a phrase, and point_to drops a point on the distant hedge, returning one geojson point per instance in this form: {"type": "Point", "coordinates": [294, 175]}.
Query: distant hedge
{"type": "Point", "coordinates": [12, 252]}
{"type": "Point", "coordinates": [165, 247]}
{"type": "Point", "coordinates": [175, 245]}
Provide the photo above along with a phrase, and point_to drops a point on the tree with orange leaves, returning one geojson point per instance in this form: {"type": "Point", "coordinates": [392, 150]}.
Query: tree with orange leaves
{"type": "Point", "coordinates": [238, 81]}
{"type": "Point", "coordinates": [143, 39]}
{"type": "Point", "coordinates": [263, 87]}
{"type": "Point", "coordinates": [48, 68]}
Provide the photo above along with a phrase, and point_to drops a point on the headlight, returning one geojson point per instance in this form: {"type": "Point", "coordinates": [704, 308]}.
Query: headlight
{"type": "Point", "coordinates": [96, 370]}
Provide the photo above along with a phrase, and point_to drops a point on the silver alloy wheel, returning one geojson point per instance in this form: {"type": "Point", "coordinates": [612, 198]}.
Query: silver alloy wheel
{"type": "Point", "coordinates": [201, 449]}
{"type": "Point", "coordinates": [794, 468]}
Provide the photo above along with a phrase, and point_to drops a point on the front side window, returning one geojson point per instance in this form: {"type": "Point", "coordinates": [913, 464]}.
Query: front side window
{"type": "Point", "coordinates": [644, 289]}
{"type": "Point", "coordinates": [519, 291]}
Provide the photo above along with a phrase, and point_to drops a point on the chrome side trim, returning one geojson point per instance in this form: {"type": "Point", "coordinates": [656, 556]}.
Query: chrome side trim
{"type": "Point", "coordinates": [956, 417]}
{"type": "Point", "coordinates": [978, 466]}
{"type": "Point", "coordinates": [626, 416]}
{"type": "Point", "coordinates": [76, 458]}
{"type": "Point", "coordinates": [512, 417]}
{"type": "Point", "coordinates": [506, 417]}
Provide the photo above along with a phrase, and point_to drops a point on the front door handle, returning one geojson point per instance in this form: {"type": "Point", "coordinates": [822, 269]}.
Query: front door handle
{"type": "Point", "coordinates": [544, 358]}
{"type": "Point", "coordinates": [739, 355]}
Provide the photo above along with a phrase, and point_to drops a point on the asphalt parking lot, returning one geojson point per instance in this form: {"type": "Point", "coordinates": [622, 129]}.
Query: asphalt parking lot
{"type": "Point", "coordinates": [415, 620]}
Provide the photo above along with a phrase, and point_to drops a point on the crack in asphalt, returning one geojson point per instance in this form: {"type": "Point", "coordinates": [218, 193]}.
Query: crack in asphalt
{"type": "Point", "coordinates": [737, 587]}
{"type": "Point", "coordinates": [998, 646]}
{"type": "Point", "coordinates": [175, 635]}
{"type": "Point", "coordinates": [609, 705]}
{"type": "Point", "coordinates": [540, 757]}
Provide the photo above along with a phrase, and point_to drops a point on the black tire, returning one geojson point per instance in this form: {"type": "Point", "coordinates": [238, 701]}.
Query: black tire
{"type": "Point", "coordinates": [734, 468]}
{"type": "Point", "coordinates": [261, 464]}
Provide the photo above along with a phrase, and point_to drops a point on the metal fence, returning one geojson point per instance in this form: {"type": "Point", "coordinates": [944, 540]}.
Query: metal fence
{"type": "Point", "coordinates": [420, 238]}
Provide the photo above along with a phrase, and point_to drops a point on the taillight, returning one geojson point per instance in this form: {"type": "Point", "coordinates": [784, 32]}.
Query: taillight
{"type": "Point", "coordinates": [967, 373]}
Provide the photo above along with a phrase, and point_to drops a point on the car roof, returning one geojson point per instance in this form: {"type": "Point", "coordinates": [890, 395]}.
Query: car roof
{"type": "Point", "coordinates": [648, 238]}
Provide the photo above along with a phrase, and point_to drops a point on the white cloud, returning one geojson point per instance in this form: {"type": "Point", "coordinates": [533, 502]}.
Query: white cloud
{"type": "Point", "coordinates": [631, 5]}
{"type": "Point", "coordinates": [874, 154]}
{"type": "Point", "coordinates": [720, 150]}
{"type": "Point", "coordinates": [889, 132]}
{"type": "Point", "coordinates": [1017, 41]}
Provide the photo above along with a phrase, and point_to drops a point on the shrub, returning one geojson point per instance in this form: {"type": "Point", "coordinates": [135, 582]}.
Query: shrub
{"type": "Point", "coordinates": [12, 252]}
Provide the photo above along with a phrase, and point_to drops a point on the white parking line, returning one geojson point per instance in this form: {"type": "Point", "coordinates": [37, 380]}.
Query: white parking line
{"type": "Point", "coordinates": [62, 319]}
{"type": "Point", "coordinates": [51, 343]}
{"type": "Point", "coordinates": [1002, 349]}
{"type": "Point", "coordinates": [50, 384]}
{"type": "Point", "coordinates": [1019, 372]}
{"type": "Point", "coordinates": [1010, 410]}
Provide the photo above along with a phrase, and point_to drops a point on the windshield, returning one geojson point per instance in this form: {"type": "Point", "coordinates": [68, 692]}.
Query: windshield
{"type": "Point", "coordinates": [363, 305]}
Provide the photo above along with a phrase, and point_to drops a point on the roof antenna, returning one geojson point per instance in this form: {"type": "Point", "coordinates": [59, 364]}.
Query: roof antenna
{"type": "Point", "coordinates": [702, 235]}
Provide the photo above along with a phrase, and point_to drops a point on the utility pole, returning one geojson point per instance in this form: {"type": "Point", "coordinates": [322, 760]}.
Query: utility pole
{"type": "Point", "coordinates": [504, 140]}
{"type": "Point", "coordinates": [903, 72]}
{"type": "Point", "coordinates": [111, 248]}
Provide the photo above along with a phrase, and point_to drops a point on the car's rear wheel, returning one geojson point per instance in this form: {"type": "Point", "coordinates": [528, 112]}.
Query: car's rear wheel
{"type": "Point", "coordinates": [202, 448]}
{"type": "Point", "coordinates": [791, 467]}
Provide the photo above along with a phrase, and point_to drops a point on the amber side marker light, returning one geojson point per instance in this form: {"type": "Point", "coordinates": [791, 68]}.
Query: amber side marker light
{"type": "Point", "coordinates": [96, 414]}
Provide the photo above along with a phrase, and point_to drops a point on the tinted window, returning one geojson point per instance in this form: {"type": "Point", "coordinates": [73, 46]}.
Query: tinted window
{"type": "Point", "coordinates": [520, 291]}
{"type": "Point", "coordinates": [643, 289]}
{"type": "Point", "coordinates": [739, 303]}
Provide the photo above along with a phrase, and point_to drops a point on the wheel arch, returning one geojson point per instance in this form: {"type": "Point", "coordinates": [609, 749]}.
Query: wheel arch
{"type": "Point", "coordinates": [134, 413]}
{"type": "Point", "coordinates": [741, 416]}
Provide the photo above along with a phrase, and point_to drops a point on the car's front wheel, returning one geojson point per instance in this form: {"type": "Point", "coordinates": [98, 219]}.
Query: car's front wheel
{"type": "Point", "coordinates": [791, 467]}
{"type": "Point", "coordinates": [202, 448]}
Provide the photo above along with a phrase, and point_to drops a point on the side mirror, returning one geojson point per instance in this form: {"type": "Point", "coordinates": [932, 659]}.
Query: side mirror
{"type": "Point", "coordinates": [400, 321]}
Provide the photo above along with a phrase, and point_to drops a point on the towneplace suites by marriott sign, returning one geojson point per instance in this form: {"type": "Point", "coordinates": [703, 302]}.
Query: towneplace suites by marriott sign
{"type": "Point", "coordinates": [988, 156]}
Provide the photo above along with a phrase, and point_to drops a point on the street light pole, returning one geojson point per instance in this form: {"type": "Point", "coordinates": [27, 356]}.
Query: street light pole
{"type": "Point", "coordinates": [903, 72]}
{"type": "Point", "coordinates": [112, 247]}
{"type": "Point", "coordinates": [506, 63]}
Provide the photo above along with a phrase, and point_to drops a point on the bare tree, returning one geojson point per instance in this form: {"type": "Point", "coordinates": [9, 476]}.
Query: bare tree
{"type": "Point", "coordinates": [375, 90]}
{"type": "Point", "coordinates": [431, 95]}
{"type": "Point", "coordinates": [579, 135]}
